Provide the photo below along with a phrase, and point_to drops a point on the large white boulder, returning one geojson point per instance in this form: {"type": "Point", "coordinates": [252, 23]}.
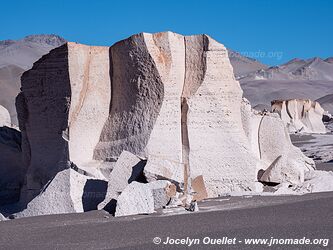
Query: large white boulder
{"type": "Point", "coordinates": [127, 169]}
{"type": "Point", "coordinates": [67, 192]}
{"type": "Point", "coordinates": [300, 115]}
{"type": "Point", "coordinates": [144, 198]}
{"type": "Point", "coordinates": [286, 163]}
{"type": "Point", "coordinates": [317, 181]}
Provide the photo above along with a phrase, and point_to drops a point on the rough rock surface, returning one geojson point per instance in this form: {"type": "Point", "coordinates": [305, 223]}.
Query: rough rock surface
{"type": "Point", "coordinates": [300, 115]}
{"type": "Point", "coordinates": [65, 93]}
{"type": "Point", "coordinates": [315, 181]}
{"type": "Point", "coordinates": [4, 117]}
{"type": "Point", "coordinates": [67, 192]}
{"type": "Point", "coordinates": [271, 143]}
{"type": "Point", "coordinates": [286, 162]}
{"type": "Point", "coordinates": [139, 198]}
{"type": "Point", "coordinates": [127, 169]}
{"type": "Point", "coordinates": [167, 98]}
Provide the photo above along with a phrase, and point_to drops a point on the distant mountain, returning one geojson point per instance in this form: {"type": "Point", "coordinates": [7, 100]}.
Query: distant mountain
{"type": "Point", "coordinates": [327, 103]}
{"type": "Point", "coordinates": [298, 78]}
{"type": "Point", "coordinates": [296, 69]}
{"type": "Point", "coordinates": [244, 65]}
{"type": "Point", "coordinates": [329, 60]}
{"type": "Point", "coordinates": [17, 56]}
{"type": "Point", "coordinates": [24, 52]}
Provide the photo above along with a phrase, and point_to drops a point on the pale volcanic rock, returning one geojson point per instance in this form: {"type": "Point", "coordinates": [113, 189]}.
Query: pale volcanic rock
{"type": "Point", "coordinates": [167, 49]}
{"type": "Point", "coordinates": [300, 115]}
{"type": "Point", "coordinates": [286, 162]}
{"type": "Point", "coordinates": [4, 117]}
{"type": "Point", "coordinates": [270, 142]}
{"type": "Point", "coordinates": [67, 192]}
{"type": "Point", "coordinates": [317, 181]}
{"type": "Point", "coordinates": [166, 98]}
{"type": "Point", "coordinates": [90, 86]}
{"type": "Point", "coordinates": [209, 92]}
{"type": "Point", "coordinates": [217, 146]}
{"type": "Point", "coordinates": [66, 91]}
{"type": "Point", "coordinates": [140, 198]}
{"type": "Point", "coordinates": [127, 169]}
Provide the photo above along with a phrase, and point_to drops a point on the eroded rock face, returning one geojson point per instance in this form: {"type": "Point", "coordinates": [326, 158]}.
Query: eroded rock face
{"type": "Point", "coordinates": [286, 162]}
{"type": "Point", "coordinates": [65, 91]}
{"type": "Point", "coordinates": [169, 99]}
{"type": "Point", "coordinates": [300, 115]}
{"type": "Point", "coordinates": [270, 142]}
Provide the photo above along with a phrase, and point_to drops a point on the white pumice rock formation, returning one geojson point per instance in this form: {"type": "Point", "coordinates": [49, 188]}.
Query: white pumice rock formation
{"type": "Point", "coordinates": [315, 181]}
{"type": "Point", "coordinates": [270, 142]}
{"type": "Point", "coordinates": [304, 116]}
{"type": "Point", "coordinates": [286, 162]}
{"type": "Point", "coordinates": [140, 198]}
{"type": "Point", "coordinates": [166, 98]}
{"type": "Point", "coordinates": [62, 109]}
{"type": "Point", "coordinates": [4, 117]}
{"type": "Point", "coordinates": [67, 192]}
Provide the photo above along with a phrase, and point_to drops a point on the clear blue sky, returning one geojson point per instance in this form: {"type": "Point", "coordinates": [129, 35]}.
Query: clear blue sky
{"type": "Point", "coordinates": [292, 28]}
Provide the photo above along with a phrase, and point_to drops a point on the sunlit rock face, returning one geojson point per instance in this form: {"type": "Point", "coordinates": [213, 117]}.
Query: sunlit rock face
{"type": "Point", "coordinates": [4, 117]}
{"type": "Point", "coordinates": [169, 99]}
{"type": "Point", "coordinates": [304, 116]}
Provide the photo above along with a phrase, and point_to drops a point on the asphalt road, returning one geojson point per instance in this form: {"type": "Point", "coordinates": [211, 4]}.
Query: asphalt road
{"type": "Point", "coordinates": [288, 217]}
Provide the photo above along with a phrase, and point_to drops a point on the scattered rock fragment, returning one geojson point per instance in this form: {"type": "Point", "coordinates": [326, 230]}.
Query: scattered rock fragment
{"type": "Point", "coordinates": [140, 198]}
{"type": "Point", "coordinates": [128, 168]}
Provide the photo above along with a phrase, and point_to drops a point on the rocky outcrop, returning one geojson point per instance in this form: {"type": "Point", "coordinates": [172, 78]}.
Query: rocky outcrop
{"type": "Point", "coordinates": [158, 96]}
{"type": "Point", "coordinates": [139, 198]}
{"type": "Point", "coordinates": [167, 99]}
{"type": "Point", "coordinates": [270, 141]}
{"type": "Point", "coordinates": [300, 115]}
{"type": "Point", "coordinates": [65, 91]}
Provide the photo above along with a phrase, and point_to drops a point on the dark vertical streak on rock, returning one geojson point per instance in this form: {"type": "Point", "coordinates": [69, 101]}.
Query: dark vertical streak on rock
{"type": "Point", "coordinates": [185, 145]}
